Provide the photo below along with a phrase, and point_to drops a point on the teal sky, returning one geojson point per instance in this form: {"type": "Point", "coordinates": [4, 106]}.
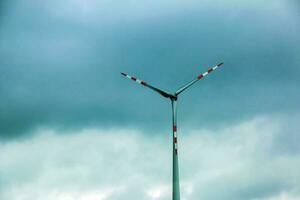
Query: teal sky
{"type": "Point", "coordinates": [69, 120]}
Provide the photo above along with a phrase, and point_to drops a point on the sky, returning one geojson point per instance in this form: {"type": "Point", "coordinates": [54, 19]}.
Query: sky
{"type": "Point", "coordinates": [72, 128]}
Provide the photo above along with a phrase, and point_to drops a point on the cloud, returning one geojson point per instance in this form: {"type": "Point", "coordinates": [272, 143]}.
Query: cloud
{"type": "Point", "coordinates": [283, 196]}
{"type": "Point", "coordinates": [61, 62]}
{"type": "Point", "coordinates": [233, 162]}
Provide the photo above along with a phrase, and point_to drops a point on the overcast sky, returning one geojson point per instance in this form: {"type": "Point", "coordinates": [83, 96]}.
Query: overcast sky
{"type": "Point", "coordinates": [71, 127]}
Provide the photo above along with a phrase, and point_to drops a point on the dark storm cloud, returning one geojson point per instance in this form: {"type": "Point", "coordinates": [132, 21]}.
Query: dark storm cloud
{"type": "Point", "coordinates": [60, 64]}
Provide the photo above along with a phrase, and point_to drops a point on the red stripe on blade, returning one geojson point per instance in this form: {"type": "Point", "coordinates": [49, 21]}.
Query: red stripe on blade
{"type": "Point", "coordinates": [143, 83]}
{"type": "Point", "coordinates": [133, 78]}
{"type": "Point", "coordinates": [175, 140]}
{"type": "Point", "coordinates": [200, 76]}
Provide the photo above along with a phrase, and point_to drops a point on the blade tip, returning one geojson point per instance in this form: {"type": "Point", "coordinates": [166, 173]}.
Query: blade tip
{"type": "Point", "coordinates": [123, 73]}
{"type": "Point", "coordinates": [220, 64]}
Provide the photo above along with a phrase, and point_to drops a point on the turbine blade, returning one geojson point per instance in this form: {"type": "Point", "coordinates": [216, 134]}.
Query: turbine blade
{"type": "Point", "coordinates": [161, 92]}
{"type": "Point", "coordinates": [197, 79]}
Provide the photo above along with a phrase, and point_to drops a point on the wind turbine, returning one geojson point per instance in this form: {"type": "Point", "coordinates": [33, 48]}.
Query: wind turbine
{"type": "Point", "coordinates": [174, 97]}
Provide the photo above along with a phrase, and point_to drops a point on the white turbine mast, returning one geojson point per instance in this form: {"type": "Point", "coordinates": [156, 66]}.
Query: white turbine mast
{"type": "Point", "coordinates": [174, 97]}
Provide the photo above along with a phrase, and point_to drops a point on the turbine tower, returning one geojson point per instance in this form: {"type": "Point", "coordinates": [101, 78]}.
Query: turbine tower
{"type": "Point", "coordinates": [174, 97]}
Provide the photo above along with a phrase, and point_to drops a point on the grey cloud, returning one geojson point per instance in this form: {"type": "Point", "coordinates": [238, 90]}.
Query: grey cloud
{"type": "Point", "coordinates": [60, 64]}
{"type": "Point", "coordinates": [235, 162]}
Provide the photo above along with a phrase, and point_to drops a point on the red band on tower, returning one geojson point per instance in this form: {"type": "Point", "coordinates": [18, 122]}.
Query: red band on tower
{"type": "Point", "coordinates": [175, 140]}
{"type": "Point", "coordinates": [174, 129]}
